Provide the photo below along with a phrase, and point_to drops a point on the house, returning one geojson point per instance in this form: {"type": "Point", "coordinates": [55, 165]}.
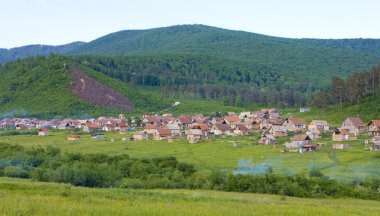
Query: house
{"type": "Point", "coordinates": [43, 132]}
{"type": "Point", "coordinates": [244, 115]}
{"type": "Point", "coordinates": [241, 130]}
{"type": "Point", "coordinates": [217, 120]}
{"type": "Point", "coordinates": [341, 134]}
{"type": "Point", "coordinates": [162, 134]}
{"type": "Point", "coordinates": [21, 127]}
{"type": "Point", "coordinates": [152, 120]}
{"type": "Point", "coordinates": [374, 127]}
{"type": "Point", "coordinates": [73, 138]}
{"type": "Point", "coordinates": [354, 124]}
{"type": "Point", "coordinates": [64, 126]}
{"type": "Point", "coordinates": [175, 129]}
{"type": "Point", "coordinates": [313, 134]}
{"type": "Point", "coordinates": [298, 141]}
{"type": "Point", "coordinates": [320, 125]}
{"type": "Point", "coordinates": [232, 121]}
{"type": "Point", "coordinates": [194, 135]}
{"type": "Point", "coordinates": [221, 129]}
{"type": "Point", "coordinates": [267, 139]}
{"type": "Point", "coordinates": [140, 135]}
{"type": "Point", "coordinates": [294, 124]}
{"type": "Point", "coordinates": [150, 129]}
{"type": "Point", "coordinates": [278, 131]}
{"type": "Point", "coordinates": [183, 121]}
{"type": "Point", "coordinates": [89, 128]}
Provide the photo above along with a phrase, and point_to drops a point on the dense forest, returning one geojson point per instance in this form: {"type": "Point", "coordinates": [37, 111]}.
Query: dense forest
{"type": "Point", "coordinates": [359, 86]}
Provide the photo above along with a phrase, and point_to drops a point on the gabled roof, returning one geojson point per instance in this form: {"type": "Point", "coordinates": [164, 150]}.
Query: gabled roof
{"type": "Point", "coordinates": [204, 127]}
{"type": "Point", "coordinates": [319, 122]}
{"type": "Point", "coordinates": [232, 118]}
{"type": "Point", "coordinates": [375, 123]}
{"type": "Point", "coordinates": [222, 127]}
{"type": "Point", "coordinates": [301, 137]}
{"type": "Point", "coordinates": [296, 121]}
{"type": "Point", "coordinates": [242, 127]}
{"type": "Point", "coordinates": [164, 132]}
{"type": "Point", "coordinates": [185, 120]}
{"type": "Point", "coordinates": [356, 121]}
{"type": "Point", "coordinates": [153, 119]}
{"type": "Point", "coordinates": [342, 131]}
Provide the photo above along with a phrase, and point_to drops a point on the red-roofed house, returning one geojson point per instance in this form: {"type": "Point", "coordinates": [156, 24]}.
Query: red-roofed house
{"type": "Point", "coordinates": [220, 129]}
{"type": "Point", "coordinates": [374, 127]}
{"type": "Point", "coordinates": [354, 124]}
{"type": "Point", "coordinates": [183, 121]}
{"type": "Point", "coordinates": [294, 124]}
{"type": "Point", "coordinates": [162, 134]}
{"type": "Point", "coordinates": [43, 132]}
{"type": "Point", "coordinates": [341, 134]}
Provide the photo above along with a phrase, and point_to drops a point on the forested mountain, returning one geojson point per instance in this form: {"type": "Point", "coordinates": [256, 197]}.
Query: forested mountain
{"type": "Point", "coordinates": [297, 59]}
{"type": "Point", "coordinates": [7, 55]}
{"type": "Point", "coordinates": [56, 85]}
{"type": "Point", "coordinates": [203, 62]}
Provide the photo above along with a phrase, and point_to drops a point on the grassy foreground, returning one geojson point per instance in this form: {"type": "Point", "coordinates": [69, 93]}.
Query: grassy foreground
{"type": "Point", "coordinates": [25, 197]}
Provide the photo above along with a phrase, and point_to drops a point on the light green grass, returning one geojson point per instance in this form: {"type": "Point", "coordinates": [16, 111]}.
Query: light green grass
{"type": "Point", "coordinates": [345, 165]}
{"type": "Point", "coordinates": [25, 197]}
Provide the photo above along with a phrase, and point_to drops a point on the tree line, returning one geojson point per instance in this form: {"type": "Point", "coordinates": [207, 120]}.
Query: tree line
{"type": "Point", "coordinates": [351, 90]}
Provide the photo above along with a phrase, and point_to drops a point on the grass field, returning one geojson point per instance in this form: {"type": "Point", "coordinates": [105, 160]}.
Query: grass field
{"type": "Point", "coordinates": [345, 165]}
{"type": "Point", "coordinates": [25, 197]}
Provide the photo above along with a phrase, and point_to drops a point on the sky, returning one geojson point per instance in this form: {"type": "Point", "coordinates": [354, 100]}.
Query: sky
{"type": "Point", "coordinates": [56, 22]}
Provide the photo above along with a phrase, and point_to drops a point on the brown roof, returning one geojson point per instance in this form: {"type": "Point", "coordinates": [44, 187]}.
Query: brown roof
{"type": "Point", "coordinates": [344, 131]}
{"type": "Point", "coordinates": [356, 121]}
{"type": "Point", "coordinates": [375, 123]}
{"type": "Point", "coordinates": [296, 121]}
{"type": "Point", "coordinates": [153, 119]}
{"type": "Point", "coordinates": [232, 118]}
{"type": "Point", "coordinates": [149, 127]}
{"type": "Point", "coordinates": [164, 132]}
{"type": "Point", "coordinates": [222, 127]}
{"type": "Point", "coordinates": [93, 126]}
{"type": "Point", "coordinates": [185, 120]}
{"type": "Point", "coordinates": [242, 127]}
{"type": "Point", "coordinates": [301, 137]}
{"type": "Point", "coordinates": [43, 130]}
{"type": "Point", "coordinates": [74, 136]}
{"type": "Point", "coordinates": [311, 145]}
{"type": "Point", "coordinates": [204, 127]}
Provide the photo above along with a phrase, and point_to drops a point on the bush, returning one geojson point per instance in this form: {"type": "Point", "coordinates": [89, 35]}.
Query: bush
{"type": "Point", "coordinates": [15, 172]}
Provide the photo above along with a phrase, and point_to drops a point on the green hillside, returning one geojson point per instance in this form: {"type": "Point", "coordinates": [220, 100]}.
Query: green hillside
{"type": "Point", "coordinates": [42, 87]}
{"type": "Point", "coordinates": [302, 59]}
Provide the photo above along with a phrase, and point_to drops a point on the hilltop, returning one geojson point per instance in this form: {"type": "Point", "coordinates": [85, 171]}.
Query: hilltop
{"type": "Point", "coordinates": [7, 55]}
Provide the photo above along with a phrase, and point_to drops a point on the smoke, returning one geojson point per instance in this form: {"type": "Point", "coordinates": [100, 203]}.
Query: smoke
{"type": "Point", "coordinates": [247, 167]}
{"type": "Point", "coordinates": [14, 113]}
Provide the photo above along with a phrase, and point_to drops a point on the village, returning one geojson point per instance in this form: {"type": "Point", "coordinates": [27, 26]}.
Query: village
{"type": "Point", "coordinates": [198, 128]}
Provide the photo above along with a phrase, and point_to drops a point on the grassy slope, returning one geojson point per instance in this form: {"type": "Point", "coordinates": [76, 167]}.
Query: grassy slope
{"type": "Point", "coordinates": [367, 110]}
{"type": "Point", "coordinates": [24, 197]}
{"type": "Point", "coordinates": [40, 87]}
{"type": "Point", "coordinates": [355, 163]}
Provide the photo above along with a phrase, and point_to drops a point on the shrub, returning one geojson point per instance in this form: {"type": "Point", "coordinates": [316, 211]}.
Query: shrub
{"type": "Point", "coordinates": [15, 172]}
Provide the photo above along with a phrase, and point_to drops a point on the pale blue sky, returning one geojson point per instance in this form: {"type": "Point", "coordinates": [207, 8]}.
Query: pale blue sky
{"type": "Point", "coordinates": [56, 22]}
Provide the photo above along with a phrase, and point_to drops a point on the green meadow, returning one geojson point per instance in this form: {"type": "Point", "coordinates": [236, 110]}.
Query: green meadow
{"type": "Point", "coordinates": [219, 153]}
{"type": "Point", "coordinates": [25, 197]}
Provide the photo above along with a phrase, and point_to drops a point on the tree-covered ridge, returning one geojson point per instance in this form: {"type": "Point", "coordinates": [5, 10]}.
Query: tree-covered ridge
{"type": "Point", "coordinates": [7, 55]}
{"type": "Point", "coordinates": [41, 87]}
{"type": "Point", "coordinates": [202, 77]}
{"type": "Point", "coordinates": [298, 59]}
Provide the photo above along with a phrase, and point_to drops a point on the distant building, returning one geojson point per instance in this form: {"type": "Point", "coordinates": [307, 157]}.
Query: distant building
{"type": "Point", "coordinates": [302, 110]}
